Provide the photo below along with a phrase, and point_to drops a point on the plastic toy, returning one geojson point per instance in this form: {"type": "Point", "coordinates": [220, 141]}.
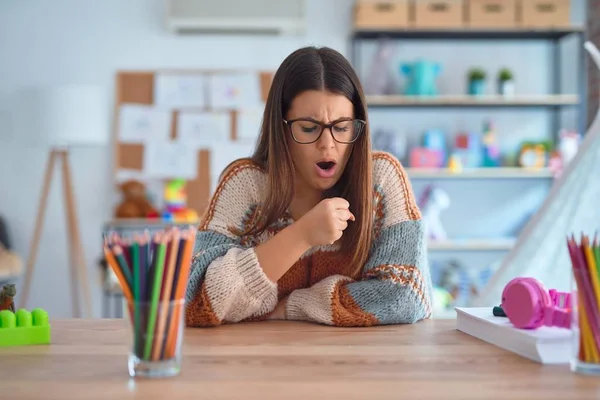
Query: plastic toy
{"type": "Point", "coordinates": [491, 151]}
{"type": "Point", "coordinates": [379, 80]}
{"type": "Point", "coordinates": [455, 164]}
{"type": "Point", "coordinates": [421, 76]}
{"type": "Point", "coordinates": [568, 145]}
{"type": "Point", "coordinates": [433, 202]}
{"type": "Point", "coordinates": [176, 202]}
{"type": "Point", "coordinates": [533, 155]}
{"type": "Point", "coordinates": [7, 297]}
{"type": "Point", "coordinates": [528, 305]}
{"type": "Point", "coordinates": [468, 148]}
{"type": "Point", "coordinates": [24, 327]}
{"type": "Point", "coordinates": [435, 139]}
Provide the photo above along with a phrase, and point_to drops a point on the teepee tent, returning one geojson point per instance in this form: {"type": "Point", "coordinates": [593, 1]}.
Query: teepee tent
{"type": "Point", "coordinates": [571, 207]}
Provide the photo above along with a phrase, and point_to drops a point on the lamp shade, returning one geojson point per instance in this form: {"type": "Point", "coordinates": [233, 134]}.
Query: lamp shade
{"type": "Point", "coordinates": [70, 115]}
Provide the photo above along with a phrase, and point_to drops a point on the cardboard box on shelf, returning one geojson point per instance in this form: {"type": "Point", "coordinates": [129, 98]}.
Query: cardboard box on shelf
{"type": "Point", "coordinates": [491, 13]}
{"type": "Point", "coordinates": [381, 14]}
{"type": "Point", "coordinates": [544, 13]}
{"type": "Point", "coordinates": [439, 14]}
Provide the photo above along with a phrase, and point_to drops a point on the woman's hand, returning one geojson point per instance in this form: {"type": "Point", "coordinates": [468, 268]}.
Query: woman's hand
{"type": "Point", "coordinates": [279, 311]}
{"type": "Point", "coordinates": [325, 223]}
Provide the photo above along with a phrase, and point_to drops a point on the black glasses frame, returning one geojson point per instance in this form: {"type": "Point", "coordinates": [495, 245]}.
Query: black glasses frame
{"type": "Point", "coordinates": [323, 127]}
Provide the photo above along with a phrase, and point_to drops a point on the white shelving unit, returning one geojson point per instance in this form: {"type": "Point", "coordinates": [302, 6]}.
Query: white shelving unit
{"type": "Point", "coordinates": [552, 103]}
{"type": "Point", "coordinates": [481, 173]}
{"type": "Point", "coordinates": [473, 101]}
{"type": "Point", "coordinates": [499, 244]}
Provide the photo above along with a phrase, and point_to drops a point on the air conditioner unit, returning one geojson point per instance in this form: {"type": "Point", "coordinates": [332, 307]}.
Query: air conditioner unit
{"type": "Point", "coordinates": [273, 17]}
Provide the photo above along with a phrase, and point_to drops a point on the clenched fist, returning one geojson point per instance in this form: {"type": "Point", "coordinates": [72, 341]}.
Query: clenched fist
{"type": "Point", "coordinates": [325, 223]}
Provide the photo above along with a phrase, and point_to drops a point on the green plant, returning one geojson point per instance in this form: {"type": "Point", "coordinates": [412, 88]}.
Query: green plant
{"type": "Point", "coordinates": [505, 74]}
{"type": "Point", "coordinates": [476, 74]}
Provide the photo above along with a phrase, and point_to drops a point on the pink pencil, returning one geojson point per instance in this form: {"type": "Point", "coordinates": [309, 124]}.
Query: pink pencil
{"type": "Point", "coordinates": [581, 276]}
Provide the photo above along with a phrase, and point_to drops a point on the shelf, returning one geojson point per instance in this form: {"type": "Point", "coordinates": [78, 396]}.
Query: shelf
{"type": "Point", "coordinates": [472, 101]}
{"type": "Point", "coordinates": [471, 244]}
{"type": "Point", "coordinates": [466, 33]}
{"type": "Point", "coordinates": [480, 173]}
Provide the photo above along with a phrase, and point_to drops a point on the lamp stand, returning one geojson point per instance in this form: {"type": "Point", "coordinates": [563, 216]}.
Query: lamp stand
{"type": "Point", "coordinates": [77, 264]}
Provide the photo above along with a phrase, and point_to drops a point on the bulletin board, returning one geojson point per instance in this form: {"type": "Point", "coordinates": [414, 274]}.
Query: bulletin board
{"type": "Point", "coordinates": [138, 88]}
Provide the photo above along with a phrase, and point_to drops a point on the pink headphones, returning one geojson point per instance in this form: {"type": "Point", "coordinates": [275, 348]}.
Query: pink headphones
{"type": "Point", "coordinates": [528, 305]}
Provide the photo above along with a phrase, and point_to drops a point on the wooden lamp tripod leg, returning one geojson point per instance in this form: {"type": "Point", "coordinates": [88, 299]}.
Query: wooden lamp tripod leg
{"type": "Point", "coordinates": [76, 258]}
{"type": "Point", "coordinates": [78, 264]}
{"type": "Point", "coordinates": [39, 222]}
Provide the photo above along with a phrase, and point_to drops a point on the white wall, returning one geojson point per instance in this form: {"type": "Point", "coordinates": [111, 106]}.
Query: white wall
{"type": "Point", "coordinates": [77, 41]}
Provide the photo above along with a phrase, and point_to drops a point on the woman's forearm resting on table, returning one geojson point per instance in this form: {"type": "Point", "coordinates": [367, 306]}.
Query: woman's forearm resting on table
{"type": "Point", "coordinates": [394, 287]}
{"type": "Point", "coordinates": [226, 283]}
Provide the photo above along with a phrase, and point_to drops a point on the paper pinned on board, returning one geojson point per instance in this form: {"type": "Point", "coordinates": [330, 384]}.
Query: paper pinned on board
{"type": "Point", "coordinates": [222, 156]}
{"type": "Point", "coordinates": [204, 129]}
{"type": "Point", "coordinates": [168, 159]}
{"type": "Point", "coordinates": [248, 124]}
{"type": "Point", "coordinates": [235, 90]}
{"type": "Point", "coordinates": [141, 123]}
{"type": "Point", "coordinates": [173, 90]}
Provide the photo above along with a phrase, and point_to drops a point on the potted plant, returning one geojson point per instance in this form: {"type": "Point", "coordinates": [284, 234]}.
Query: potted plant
{"type": "Point", "coordinates": [476, 81]}
{"type": "Point", "coordinates": [506, 86]}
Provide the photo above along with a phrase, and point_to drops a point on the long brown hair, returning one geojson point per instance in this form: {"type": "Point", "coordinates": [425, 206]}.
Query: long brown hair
{"type": "Point", "coordinates": [312, 68]}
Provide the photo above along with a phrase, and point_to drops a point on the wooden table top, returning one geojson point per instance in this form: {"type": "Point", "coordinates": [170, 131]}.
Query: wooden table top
{"type": "Point", "coordinates": [287, 360]}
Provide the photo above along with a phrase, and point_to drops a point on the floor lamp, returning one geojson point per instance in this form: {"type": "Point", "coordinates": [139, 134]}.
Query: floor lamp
{"type": "Point", "coordinates": [69, 116]}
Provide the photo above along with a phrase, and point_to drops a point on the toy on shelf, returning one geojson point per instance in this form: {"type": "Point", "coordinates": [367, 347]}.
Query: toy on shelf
{"type": "Point", "coordinates": [568, 145]}
{"type": "Point", "coordinates": [533, 155]}
{"type": "Point", "coordinates": [433, 201]}
{"type": "Point", "coordinates": [491, 151]}
{"type": "Point", "coordinates": [7, 297]}
{"type": "Point", "coordinates": [421, 78]}
{"type": "Point", "coordinates": [380, 80]}
{"type": "Point", "coordinates": [176, 203]}
{"type": "Point", "coordinates": [467, 147]}
{"type": "Point", "coordinates": [135, 203]}
{"type": "Point", "coordinates": [455, 164]}
{"type": "Point", "coordinates": [432, 154]}
{"type": "Point", "coordinates": [390, 142]}
{"type": "Point", "coordinates": [24, 328]}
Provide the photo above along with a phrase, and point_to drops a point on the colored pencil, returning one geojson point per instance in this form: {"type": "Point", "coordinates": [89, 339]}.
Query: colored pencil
{"type": "Point", "coordinates": [586, 271]}
{"type": "Point", "coordinates": [180, 291]}
{"type": "Point", "coordinates": [153, 272]}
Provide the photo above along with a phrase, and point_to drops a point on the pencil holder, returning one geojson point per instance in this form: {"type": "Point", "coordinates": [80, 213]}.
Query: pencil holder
{"type": "Point", "coordinates": [153, 274]}
{"type": "Point", "coordinates": [585, 311]}
{"type": "Point", "coordinates": [156, 338]}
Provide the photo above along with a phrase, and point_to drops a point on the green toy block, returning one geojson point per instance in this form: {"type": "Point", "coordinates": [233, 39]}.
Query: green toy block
{"type": "Point", "coordinates": [24, 327]}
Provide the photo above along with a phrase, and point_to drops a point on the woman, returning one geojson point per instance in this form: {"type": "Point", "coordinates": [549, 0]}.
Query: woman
{"type": "Point", "coordinates": [315, 226]}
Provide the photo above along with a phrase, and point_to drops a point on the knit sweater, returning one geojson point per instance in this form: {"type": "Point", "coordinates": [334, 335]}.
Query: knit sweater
{"type": "Point", "coordinates": [227, 284]}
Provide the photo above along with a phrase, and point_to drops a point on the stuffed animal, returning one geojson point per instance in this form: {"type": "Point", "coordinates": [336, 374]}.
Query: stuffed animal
{"type": "Point", "coordinates": [135, 203]}
{"type": "Point", "coordinates": [568, 146]}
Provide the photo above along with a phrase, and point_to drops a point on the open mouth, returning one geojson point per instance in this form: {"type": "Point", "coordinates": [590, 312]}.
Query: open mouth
{"type": "Point", "coordinates": [326, 165]}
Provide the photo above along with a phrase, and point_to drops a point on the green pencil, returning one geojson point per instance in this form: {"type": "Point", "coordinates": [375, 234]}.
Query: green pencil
{"type": "Point", "coordinates": [136, 294]}
{"type": "Point", "coordinates": [155, 294]}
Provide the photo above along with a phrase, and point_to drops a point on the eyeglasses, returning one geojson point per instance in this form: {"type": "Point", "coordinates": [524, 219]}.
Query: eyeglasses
{"type": "Point", "coordinates": [307, 130]}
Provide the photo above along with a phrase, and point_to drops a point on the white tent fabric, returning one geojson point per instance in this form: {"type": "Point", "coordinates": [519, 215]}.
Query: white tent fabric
{"type": "Point", "coordinates": [571, 207]}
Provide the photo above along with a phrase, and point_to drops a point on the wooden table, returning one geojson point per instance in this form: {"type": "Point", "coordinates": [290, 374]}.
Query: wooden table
{"type": "Point", "coordinates": [286, 360]}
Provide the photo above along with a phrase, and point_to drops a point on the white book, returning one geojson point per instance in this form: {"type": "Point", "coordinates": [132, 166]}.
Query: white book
{"type": "Point", "coordinates": [545, 345]}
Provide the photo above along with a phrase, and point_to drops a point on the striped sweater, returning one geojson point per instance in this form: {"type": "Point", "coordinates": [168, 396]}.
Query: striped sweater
{"type": "Point", "coordinates": [227, 284]}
